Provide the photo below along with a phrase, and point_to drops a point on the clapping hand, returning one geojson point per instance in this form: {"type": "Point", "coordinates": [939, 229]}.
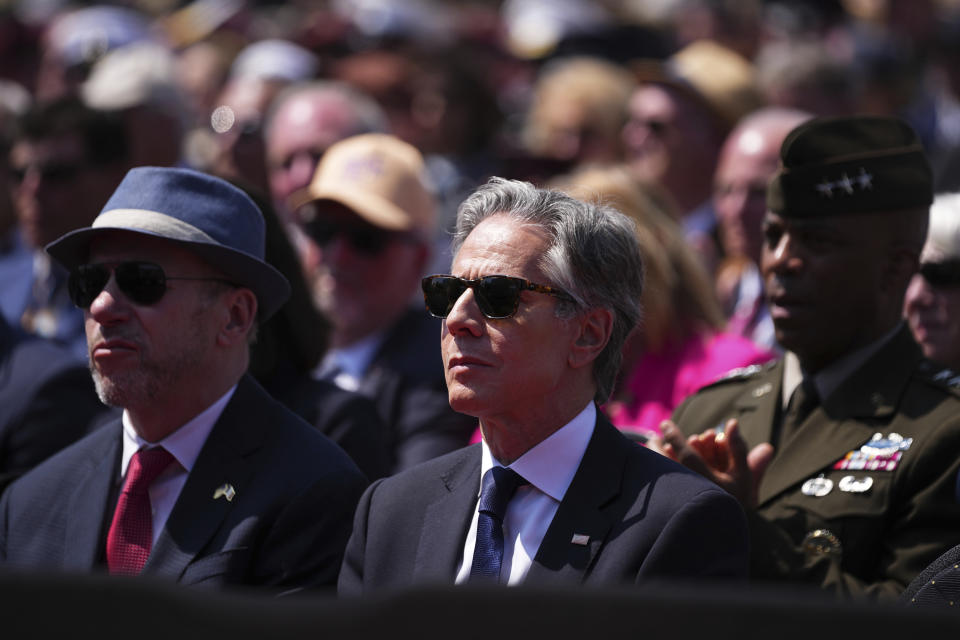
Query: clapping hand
{"type": "Point", "coordinates": [720, 456]}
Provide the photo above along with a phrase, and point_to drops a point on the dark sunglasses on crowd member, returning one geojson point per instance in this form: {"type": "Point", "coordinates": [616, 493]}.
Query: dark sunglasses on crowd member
{"type": "Point", "coordinates": [51, 172]}
{"type": "Point", "coordinates": [945, 275]}
{"type": "Point", "coordinates": [657, 127]}
{"type": "Point", "coordinates": [497, 296]}
{"type": "Point", "coordinates": [364, 238]}
{"type": "Point", "coordinates": [144, 283]}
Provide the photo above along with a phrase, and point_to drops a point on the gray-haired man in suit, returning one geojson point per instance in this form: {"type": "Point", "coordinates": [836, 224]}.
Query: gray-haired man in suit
{"type": "Point", "coordinates": [543, 292]}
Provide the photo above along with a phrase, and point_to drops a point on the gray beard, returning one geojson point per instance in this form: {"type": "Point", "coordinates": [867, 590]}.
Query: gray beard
{"type": "Point", "coordinates": [142, 386]}
{"type": "Point", "coordinates": [134, 388]}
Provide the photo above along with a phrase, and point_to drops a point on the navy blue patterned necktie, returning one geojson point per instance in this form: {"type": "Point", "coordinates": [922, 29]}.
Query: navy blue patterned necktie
{"type": "Point", "coordinates": [499, 485]}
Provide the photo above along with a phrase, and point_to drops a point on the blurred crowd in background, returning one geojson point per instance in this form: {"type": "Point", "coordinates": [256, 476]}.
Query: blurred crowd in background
{"type": "Point", "coordinates": [672, 110]}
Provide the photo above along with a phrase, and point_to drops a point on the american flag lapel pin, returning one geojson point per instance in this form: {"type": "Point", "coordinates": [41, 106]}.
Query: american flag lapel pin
{"type": "Point", "coordinates": [225, 490]}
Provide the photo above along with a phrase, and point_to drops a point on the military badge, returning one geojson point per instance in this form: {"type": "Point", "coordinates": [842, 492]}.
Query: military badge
{"type": "Point", "coordinates": [948, 377]}
{"type": "Point", "coordinates": [878, 454]}
{"type": "Point", "coordinates": [817, 487]}
{"type": "Point", "coordinates": [741, 372]}
{"type": "Point", "coordinates": [762, 390]}
{"type": "Point", "coordinates": [822, 542]}
{"type": "Point", "coordinates": [845, 184]}
{"type": "Point", "coordinates": [851, 484]}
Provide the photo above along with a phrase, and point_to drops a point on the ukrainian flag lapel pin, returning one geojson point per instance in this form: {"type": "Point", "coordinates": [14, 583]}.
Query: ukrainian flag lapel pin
{"type": "Point", "coordinates": [225, 490]}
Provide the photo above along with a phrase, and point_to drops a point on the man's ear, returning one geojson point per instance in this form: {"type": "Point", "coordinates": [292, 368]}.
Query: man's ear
{"type": "Point", "coordinates": [902, 263]}
{"type": "Point", "coordinates": [594, 328]}
{"type": "Point", "coordinates": [241, 308]}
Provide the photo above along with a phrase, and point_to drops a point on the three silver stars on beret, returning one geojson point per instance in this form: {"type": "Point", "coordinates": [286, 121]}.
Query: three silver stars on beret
{"type": "Point", "coordinates": [845, 185]}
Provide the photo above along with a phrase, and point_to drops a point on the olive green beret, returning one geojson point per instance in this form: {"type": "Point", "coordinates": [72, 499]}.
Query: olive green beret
{"type": "Point", "coordinates": [856, 164]}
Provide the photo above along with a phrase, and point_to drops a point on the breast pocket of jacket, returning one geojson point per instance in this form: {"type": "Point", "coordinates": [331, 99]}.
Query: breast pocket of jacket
{"type": "Point", "coordinates": [848, 508]}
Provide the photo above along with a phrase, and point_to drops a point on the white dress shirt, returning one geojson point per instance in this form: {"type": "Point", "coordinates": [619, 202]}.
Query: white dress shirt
{"type": "Point", "coordinates": [184, 445]}
{"type": "Point", "coordinates": [549, 467]}
{"type": "Point", "coordinates": [350, 363]}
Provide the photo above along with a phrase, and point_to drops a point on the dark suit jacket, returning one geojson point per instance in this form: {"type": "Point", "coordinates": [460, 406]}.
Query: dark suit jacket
{"type": "Point", "coordinates": [646, 517]}
{"type": "Point", "coordinates": [47, 401]}
{"type": "Point", "coordinates": [407, 382]}
{"type": "Point", "coordinates": [350, 419]}
{"type": "Point", "coordinates": [285, 528]}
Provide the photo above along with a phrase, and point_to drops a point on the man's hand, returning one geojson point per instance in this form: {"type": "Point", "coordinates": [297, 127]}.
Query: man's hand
{"type": "Point", "coordinates": [719, 456]}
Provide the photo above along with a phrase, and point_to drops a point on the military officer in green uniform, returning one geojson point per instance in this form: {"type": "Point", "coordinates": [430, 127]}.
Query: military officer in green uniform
{"type": "Point", "coordinates": [845, 453]}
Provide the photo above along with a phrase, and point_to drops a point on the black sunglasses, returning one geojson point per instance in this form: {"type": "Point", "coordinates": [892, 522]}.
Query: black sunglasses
{"type": "Point", "coordinates": [143, 282]}
{"type": "Point", "coordinates": [497, 296]}
{"type": "Point", "coordinates": [365, 239]}
{"type": "Point", "coordinates": [657, 127]}
{"type": "Point", "coordinates": [52, 172]}
{"type": "Point", "coordinates": [941, 274]}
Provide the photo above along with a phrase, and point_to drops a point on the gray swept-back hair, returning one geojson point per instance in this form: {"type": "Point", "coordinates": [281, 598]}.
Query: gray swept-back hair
{"type": "Point", "coordinates": [593, 255]}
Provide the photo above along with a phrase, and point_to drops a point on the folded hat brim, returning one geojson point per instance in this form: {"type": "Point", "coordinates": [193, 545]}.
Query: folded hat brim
{"type": "Point", "coordinates": [378, 211]}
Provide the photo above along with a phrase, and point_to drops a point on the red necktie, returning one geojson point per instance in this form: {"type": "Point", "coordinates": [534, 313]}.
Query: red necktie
{"type": "Point", "coordinates": [131, 532]}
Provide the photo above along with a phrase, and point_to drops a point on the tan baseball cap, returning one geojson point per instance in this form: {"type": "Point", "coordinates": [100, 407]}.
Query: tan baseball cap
{"type": "Point", "coordinates": [377, 176]}
{"type": "Point", "coordinates": [719, 77]}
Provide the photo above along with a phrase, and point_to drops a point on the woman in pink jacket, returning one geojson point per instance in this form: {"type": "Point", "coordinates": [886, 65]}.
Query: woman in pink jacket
{"type": "Point", "coordinates": [681, 344]}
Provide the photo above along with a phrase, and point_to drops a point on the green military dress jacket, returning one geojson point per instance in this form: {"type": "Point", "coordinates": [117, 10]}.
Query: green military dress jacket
{"type": "Point", "coordinates": [863, 496]}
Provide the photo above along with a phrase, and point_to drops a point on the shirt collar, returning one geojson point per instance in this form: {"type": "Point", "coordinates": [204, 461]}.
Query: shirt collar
{"type": "Point", "coordinates": [184, 443]}
{"type": "Point", "coordinates": [828, 379]}
{"type": "Point", "coordinates": [355, 359]}
{"type": "Point", "coordinates": [550, 465]}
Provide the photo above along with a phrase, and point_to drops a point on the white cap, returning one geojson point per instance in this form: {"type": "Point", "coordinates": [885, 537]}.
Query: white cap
{"type": "Point", "coordinates": [943, 235]}
{"type": "Point", "coordinates": [275, 59]}
{"type": "Point", "coordinates": [137, 74]}
{"type": "Point", "coordinates": [83, 35]}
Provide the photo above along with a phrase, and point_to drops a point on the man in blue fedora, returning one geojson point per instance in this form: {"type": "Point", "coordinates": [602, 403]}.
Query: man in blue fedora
{"type": "Point", "coordinates": [205, 478]}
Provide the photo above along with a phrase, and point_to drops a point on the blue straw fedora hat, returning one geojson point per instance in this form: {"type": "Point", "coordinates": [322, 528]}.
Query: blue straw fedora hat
{"type": "Point", "coordinates": [211, 217]}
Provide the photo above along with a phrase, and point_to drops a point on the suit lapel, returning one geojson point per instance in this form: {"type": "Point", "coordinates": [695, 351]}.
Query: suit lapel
{"type": "Point", "coordinates": [447, 519]}
{"type": "Point", "coordinates": [586, 512]}
{"type": "Point", "coordinates": [87, 510]}
{"type": "Point", "coordinates": [847, 418]}
{"type": "Point", "coordinates": [224, 459]}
